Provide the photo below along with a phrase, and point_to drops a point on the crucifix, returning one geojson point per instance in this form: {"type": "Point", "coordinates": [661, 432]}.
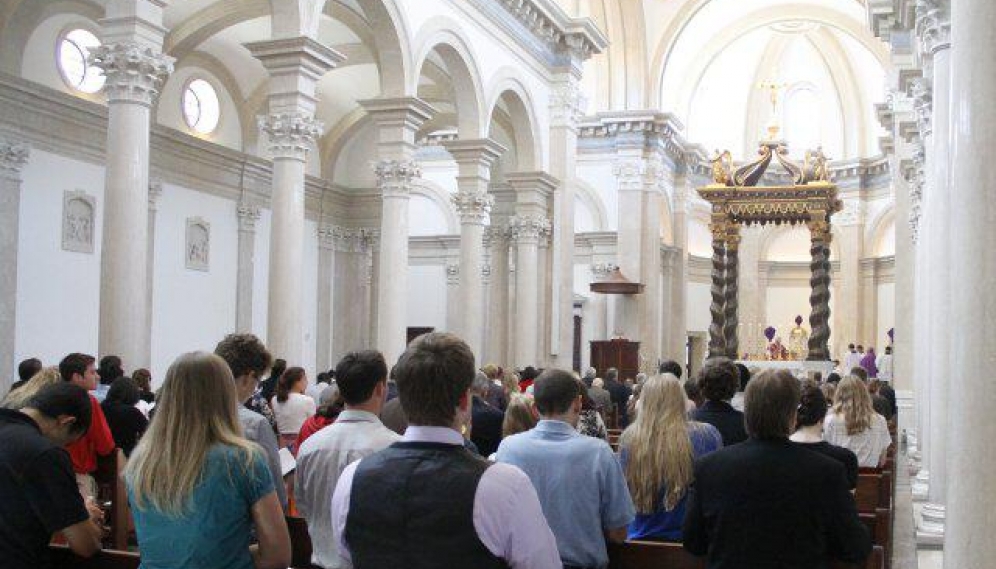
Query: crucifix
{"type": "Point", "coordinates": [773, 90]}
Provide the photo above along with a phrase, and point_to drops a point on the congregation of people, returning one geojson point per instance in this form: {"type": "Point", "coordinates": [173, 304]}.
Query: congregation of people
{"type": "Point", "coordinates": [435, 461]}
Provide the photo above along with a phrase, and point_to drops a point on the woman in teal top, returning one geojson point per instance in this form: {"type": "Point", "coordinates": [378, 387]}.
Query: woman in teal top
{"type": "Point", "coordinates": [196, 487]}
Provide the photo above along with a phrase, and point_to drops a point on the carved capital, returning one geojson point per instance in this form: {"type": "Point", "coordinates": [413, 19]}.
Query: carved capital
{"type": "Point", "coordinates": [135, 73]}
{"type": "Point", "coordinates": [13, 157]}
{"type": "Point", "coordinates": [933, 26]}
{"type": "Point", "coordinates": [473, 207]}
{"type": "Point", "coordinates": [852, 214]}
{"type": "Point", "coordinates": [394, 177]}
{"type": "Point", "coordinates": [327, 236]}
{"type": "Point", "coordinates": [528, 228]}
{"type": "Point", "coordinates": [567, 104]}
{"type": "Point", "coordinates": [922, 95]}
{"type": "Point", "coordinates": [639, 173]}
{"type": "Point", "coordinates": [248, 216]}
{"type": "Point", "coordinates": [369, 239]}
{"type": "Point", "coordinates": [601, 271]}
{"type": "Point", "coordinates": [291, 134]}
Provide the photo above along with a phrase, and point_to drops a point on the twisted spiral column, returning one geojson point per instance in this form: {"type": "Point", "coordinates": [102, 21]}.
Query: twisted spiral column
{"type": "Point", "coordinates": [731, 319]}
{"type": "Point", "coordinates": [819, 299]}
{"type": "Point", "coordinates": [717, 339]}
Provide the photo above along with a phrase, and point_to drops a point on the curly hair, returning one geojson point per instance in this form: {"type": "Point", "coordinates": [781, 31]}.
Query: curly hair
{"type": "Point", "coordinates": [719, 379]}
{"type": "Point", "coordinates": [245, 354]}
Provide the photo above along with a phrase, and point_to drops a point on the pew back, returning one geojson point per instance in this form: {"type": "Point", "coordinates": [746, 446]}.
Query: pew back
{"type": "Point", "coordinates": [656, 555]}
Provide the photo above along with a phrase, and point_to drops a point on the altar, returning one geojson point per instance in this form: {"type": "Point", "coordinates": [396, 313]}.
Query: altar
{"type": "Point", "coordinates": [799, 368]}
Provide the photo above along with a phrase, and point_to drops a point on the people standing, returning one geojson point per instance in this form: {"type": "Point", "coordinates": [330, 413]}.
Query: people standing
{"type": "Point", "coordinates": [79, 370]}
{"type": "Point", "coordinates": [291, 406]}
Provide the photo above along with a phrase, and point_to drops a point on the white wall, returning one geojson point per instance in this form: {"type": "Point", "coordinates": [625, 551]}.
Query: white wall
{"type": "Point", "coordinates": [192, 310]}
{"type": "Point", "coordinates": [886, 313]}
{"type": "Point", "coordinates": [427, 296]}
{"type": "Point", "coordinates": [58, 292]}
{"type": "Point", "coordinates": [698, 299]}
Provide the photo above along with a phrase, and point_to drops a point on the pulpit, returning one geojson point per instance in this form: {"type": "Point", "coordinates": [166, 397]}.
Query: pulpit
{"type": "Point", "coordinates": [620, 354]}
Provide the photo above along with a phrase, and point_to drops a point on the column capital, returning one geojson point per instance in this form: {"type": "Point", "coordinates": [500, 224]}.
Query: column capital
{"type": "Point", "coordinates": [290, 134]}
{"type": "Point", "coordinates": [473, 207]}
{"type": "Point", "coordinates": [922, 94]}
{"type": "Point", "coordinates": [528, 228]}
{"type": "Point", "coordinates": [933, 26]}
{"type": "Point", "coordinates": [478, 152]}
{"type": "Point", "coordinates": [369, 239]}
{"type": "Point", "coordinates": [732, 237]}
{"type": "Point", "coordinates": [852, 214]}
{"type": "Point", "coordinates": [295, 65]}
{"type": "Point", "coordinates": [135, 73]}
{"type": "Point", "coordinates": [327, 236]}
{"type": "Point", "coordinates": [248, 216]}
{"type": "Point", "coordinates": [394, 177]}
{"type": "Point", "coordinates": [639, 173]}
{"type": "Point", "coordinates": [13, 157]}
{"type": "Point", "coordinates": [819, 229]}
{"type": "Point", "coordinates": [601, 271]}
{"type": "Point", "coordinates": [155, 192]}
{"type": "Point", "coordinates": [567, 103]}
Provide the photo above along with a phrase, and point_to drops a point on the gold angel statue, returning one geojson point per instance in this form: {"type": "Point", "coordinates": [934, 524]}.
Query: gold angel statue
{"type": "Point", "coordinates": [815, 166]}
{"type": "Point", "coordinates": [722, 168]}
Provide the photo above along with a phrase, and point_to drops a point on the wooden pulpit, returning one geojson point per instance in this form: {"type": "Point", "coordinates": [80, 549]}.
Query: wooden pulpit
{"type": "Point", "coordinates": [620, 354]}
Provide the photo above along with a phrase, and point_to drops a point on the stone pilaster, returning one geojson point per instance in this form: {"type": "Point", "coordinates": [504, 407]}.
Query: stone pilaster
{"type": "Point", "coordinates": [13, 157]}
{"type": "Point", "coordinates": [327, 235]}
{"type": "Point", "coordinates": [526, 230]}
{"type": "Point", "coordinates": [248, 216]}
{"type": "Point", "coordinates": [132, 60]}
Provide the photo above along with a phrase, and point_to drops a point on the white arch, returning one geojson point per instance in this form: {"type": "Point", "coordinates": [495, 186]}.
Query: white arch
{"type": "Point", "coordinates": [441, 34]}
{"type": "Point", "coordinates": [522, 110]}
{"type": "Point", "coordinates": [442, 199]}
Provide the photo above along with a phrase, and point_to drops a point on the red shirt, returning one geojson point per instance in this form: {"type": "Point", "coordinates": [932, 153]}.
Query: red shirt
{"type": "Point", "coordinates": [314, 424]}
{"type": "Point", "coordinates": [96, 441]}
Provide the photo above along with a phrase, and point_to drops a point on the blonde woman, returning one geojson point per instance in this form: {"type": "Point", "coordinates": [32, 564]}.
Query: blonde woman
{"type": "Point", "coordinates": [19, 397]}
{"type": "Point", "coordinates": [657, 452]}
{"type": "Point", "coordinates": [196, 486]}
{"type": "Point", "coordinates": [519, 417]}
{"type": "Point", "coordinates": [854, 424]}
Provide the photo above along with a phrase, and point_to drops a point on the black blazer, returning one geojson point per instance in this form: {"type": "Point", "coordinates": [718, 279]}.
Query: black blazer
{"type": "Point", "coordinates": [727, 420]}
{"type": "Point", "coordinates": [771, 504]}
{"type": "Point", "coordinates": [485, 429]}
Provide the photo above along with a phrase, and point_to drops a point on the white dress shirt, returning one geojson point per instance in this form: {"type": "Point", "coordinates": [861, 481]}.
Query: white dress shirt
{"type": "Point", "coordinates": [508, 517]}
{"type": "Point", "coordinates": [869, 444]}
{"type": "Point", "coordinates": [354, 435]}
{"type": "Point", "coordinates": [291, 414]}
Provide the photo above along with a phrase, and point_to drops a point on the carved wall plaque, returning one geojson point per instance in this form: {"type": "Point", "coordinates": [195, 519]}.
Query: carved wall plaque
{"type": "Point", "coordinates": [198, 244]}
{"type": "Point", "coordinates": [78, 220]}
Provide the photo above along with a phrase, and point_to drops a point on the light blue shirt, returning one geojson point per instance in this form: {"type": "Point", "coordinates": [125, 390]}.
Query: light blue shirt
{"type": "Point", "coordinates": [215, 531]}
{"type": "Point", "coordinates": [580, 484]}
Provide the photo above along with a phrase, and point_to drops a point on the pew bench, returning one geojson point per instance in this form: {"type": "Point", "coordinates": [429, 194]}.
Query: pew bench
{"type": "Point", "coordinates": [656, 555]}
{"type": "Point", "coordinates": [63, 558]}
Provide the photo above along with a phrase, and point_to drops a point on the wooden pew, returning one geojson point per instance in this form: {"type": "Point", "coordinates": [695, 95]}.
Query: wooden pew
{"type": "Point", "coordinates": [874, 491]}
{"type": "Point", "coordinates": [111, 488]}
{"type": "Point", "coordinates": [63, 558]}
{"type": "Point", "coordinates": [656, 555]}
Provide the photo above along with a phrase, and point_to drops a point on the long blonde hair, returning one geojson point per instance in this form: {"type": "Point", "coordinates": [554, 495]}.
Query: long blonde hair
{"type": "Point", "coordinates": [20, 397]}
{"type": "Point", "coordinates": [657, 446]}
{"type": "Point", "coordinates": [519, 416]}
{"type": "Point", "coordinates": [854, 403]}
{"type": "Point", "coordinates": [196, 409]}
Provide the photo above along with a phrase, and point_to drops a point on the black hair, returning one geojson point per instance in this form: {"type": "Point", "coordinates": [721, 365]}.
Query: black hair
{"type": "Point", "coordinates": [358, 373]}
{"type": "Point", "coordinates": [109, 369]}
{"type": "Point", "coordinates": [719, 379]}
{"type": "Point", "coordinates": [28, 368]}
{"type": "Point", "coordinates": [812, 405]}
{"type": "Point", "coordinates": [554, 391]}
{"type": "Point", "coordinates": [59, 399]}
{"type": "Point", "coordinates": [124, 390]}
{"type": "Point", "coordinates": [322, 377]}
{"type": "Point", "coordinates": [279, 367]}
{"type": "Point", "coordinates": [244, 353]}
{"type": "Point", "coordinates": [74, 364]}
{"type": "Point", "coordinates": [744, 375]}
{"type": "Point", "coordinates": [672, 367]}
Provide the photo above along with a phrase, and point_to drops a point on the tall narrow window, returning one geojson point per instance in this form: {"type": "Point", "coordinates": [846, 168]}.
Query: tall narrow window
{"type": "Point", "coordinates": [201, 109]}
{"type": "Point", "coordinates": [74, 49]}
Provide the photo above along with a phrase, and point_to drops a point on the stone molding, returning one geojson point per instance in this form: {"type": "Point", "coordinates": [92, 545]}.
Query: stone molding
{"type": "Point", "coordinates": [13, 157]}
{"type": "Point", "coordinates": [644, 129]}
{"type": "Point", "coordinates": [473, 207]}
{"type": "Point", "coordinates": [248, 214]}
{"type": "Point", "coordinates": [601, 271]}
{"type": "Point", "coordinates": [394, 177]}
{"type": "Point", "coordinates": [291, 134]}
{"type": "Point", "coordinates": [528, 228]}
{"type": "Point", "coordinates": [135, 73]}
{"type": "Point", "coordinates": [452, 274]}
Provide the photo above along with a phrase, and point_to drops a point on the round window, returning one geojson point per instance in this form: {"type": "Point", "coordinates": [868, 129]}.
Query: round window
{"type": "Point", "coordinates": [201, 109]}
{"type": "Point", "coordinates": [74, 49]}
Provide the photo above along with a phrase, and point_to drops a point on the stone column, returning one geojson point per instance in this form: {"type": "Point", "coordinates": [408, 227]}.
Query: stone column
{"type": "Point", "coordinates": [496, 239]}
{"type": "Point", "coordinates": [629, 172]}
{"type": "Point", "coordinates": [370, 243]}
{"type": "Point", "coordinates": [526, 230]}
{"type": "Point", "coordinates": [248, 214]}
{"type": "Point", "coordinates": [970, 499]}
{"type": "Point", "coordinates": [750, 303]}
{"type": "Point", "coordinates": [132, 60]}
{"type": "Point", "coordinates": [934, 29]}
{"type": "Point", "coordinates": [819, 299]}
{"type": "Point", "coordinates": [13, 157]}
{"type": "Point", "coordinates": [731, 321]}
{"type": "Point", "coordinates": [473, 203]}
{"type": "Point", "coordinates": [327, 235]}
{"type": "Point", "coordinates": [397, 120]}
{"type": "Point", "coordinates": [717, 339]}
{"type": "Point", "coordinates": [350, 294]}
{"type": "Point", "coordinates": [295, 65]}
{"type": "Point", "coordinates": [678, 322]}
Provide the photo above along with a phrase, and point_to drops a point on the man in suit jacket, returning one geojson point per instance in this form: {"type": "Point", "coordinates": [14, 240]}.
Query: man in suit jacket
{"type": "Point", "coordinates": [768, 503]}
{"type": "Point", "coordinates": [486, 420]}
{"type": "Point", "coordinates": [719, 381]}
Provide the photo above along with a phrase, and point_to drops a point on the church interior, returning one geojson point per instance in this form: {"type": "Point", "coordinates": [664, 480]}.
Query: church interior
{"type": "Point", "coordinates": [561, 183]}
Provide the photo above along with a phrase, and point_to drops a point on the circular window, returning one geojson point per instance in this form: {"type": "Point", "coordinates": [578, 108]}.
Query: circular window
{"type": "Point", "coordinates": [73, 52]}
{"type": "Point", "coordinates": [201, 109]}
